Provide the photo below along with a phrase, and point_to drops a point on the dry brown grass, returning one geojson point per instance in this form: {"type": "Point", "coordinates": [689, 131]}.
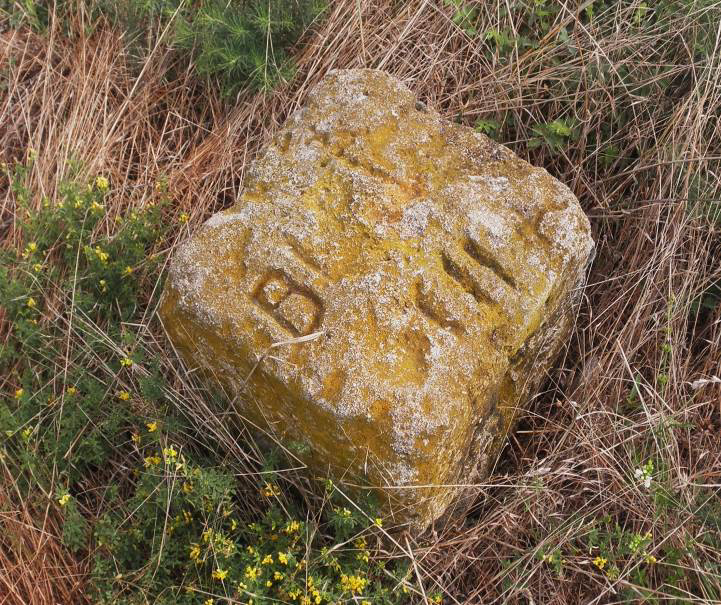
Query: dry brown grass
{"type": "Point", "coordinates": [35, 568]}
{"type": "Point", "coordinates": [573, 457]}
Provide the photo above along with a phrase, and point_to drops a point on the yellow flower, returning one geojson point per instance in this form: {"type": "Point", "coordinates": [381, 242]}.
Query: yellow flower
{"type": "Point", "coordinates": [31, 303]}
{"type": "Point", "coordinates": [95, 207]}
{"type": "Point", "coordinates": [278, 576]}
{"type": "Point", "coordinates": [126, 362]}
{"type": "Point", "coordinates": [151, 461]}
{"type": "Point", "coordinates": [651, 559]}
{"type": "Point", "coordinates": [283, 558]}
{"type": "Point", "coordinates": [169, 452]}
{"type": "Point", "coordinates": [29, 249]}
{"type": "Point", "coordinates": [270, 490]}
{"type": "Point", "coordinates": [251, 572]}
{"type": "Point", "coordinates": [135, 437]}
{"type": "Point", "coordinates": [27, 432]}
{"type": "Point", "coordinates": [103, 285]}
{"type": "Point", "coordinates": [101, 254]}
{"type": "Point", "coordinates": [600, 562]}
{"type": "Point", "coordinates": [128, 271]}
{"type": "Point", "coordinates": [220, 574]}
{"type": "Point", "coordinates": [267, 560]}
{"type": "Point", "coordinates": [72, 391]}
{"type": "Point", "coordinates": [293, 526]}
{"type": "Point", "coordinates": [183, 218]}
{"type": "Point", "coordinates": [102, 183]}
{"type": "Point", "coordinates": [379, 522]}
{"type": "Point", "coordinates": [352, 584]}
{"type": "Point", "coordinates": [268, 583]}
{"type": "Point", "coordinates": [152, 427]}
{"type": "Point", "coordinates": [64, 499]}
{"type": "Point", "coordinates": [19, 393]}
{"type": "Point", "coordinates": [187, 487]}
{"type": "Point", "coordinates": [123, 395]}
{"type": "Point", "coordinates": [37, 267]}
{"type": "Point", "coordinates": [208, 602]}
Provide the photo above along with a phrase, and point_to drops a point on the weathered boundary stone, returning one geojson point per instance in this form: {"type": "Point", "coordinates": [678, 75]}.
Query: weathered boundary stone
{"type": "Point", "coordinates": [425, 276]}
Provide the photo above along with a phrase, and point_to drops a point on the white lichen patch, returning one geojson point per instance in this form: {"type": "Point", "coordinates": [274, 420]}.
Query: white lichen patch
{"type": "Point", "coordinates": [222, 218]}
{"type": "Point", "coordinates": [415, 219]}
{"type": "Point", "coordinates": [484, 220]}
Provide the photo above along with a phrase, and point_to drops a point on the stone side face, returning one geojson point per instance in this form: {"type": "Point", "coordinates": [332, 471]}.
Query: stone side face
{"type": "Point", "coordinates": [433, 270]}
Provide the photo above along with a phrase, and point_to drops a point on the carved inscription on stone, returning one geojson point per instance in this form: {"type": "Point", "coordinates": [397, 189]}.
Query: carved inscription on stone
{"type": "Point", "coordinates": [294, 307]}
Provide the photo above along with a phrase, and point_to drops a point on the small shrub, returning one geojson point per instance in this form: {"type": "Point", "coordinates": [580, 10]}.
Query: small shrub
{"type": "Point", "coordinates": [71, 278]}
{"type": "Point", "coordinates": [244, 44]}
{"type": "Point", "coordinates": [181, 539]}
{"type": "Point", "coordinates": [236, 45]}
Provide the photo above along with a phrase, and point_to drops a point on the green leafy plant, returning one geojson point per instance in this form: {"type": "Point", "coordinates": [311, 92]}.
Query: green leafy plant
{"type": "Point", "coordinates": [240, 44]}
{"type": "Point", "coordinates": [70, 270]}
{"type": "Point", "coordinates": [487, 126]}
{"type": "Point", "coordinates": [187, 542]}
{"type": "Point", "coordinates": [464, 16]}
{"type": "Point", "coordinates": [236, 45]}
{"type": "Point", "coordinates": [555, 135]}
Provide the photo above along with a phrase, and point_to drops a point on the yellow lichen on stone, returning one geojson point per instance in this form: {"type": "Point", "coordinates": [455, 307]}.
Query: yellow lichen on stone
{"type": "Point", "coordinates": [415, 279]}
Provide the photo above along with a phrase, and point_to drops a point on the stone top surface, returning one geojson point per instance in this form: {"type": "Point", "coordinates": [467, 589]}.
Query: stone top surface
{"type": "Point", "coordinates": [424, 254]}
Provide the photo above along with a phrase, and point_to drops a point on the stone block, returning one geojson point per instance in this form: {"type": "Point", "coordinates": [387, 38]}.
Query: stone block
{"type": "Point", "coordinates": [421, 276]}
